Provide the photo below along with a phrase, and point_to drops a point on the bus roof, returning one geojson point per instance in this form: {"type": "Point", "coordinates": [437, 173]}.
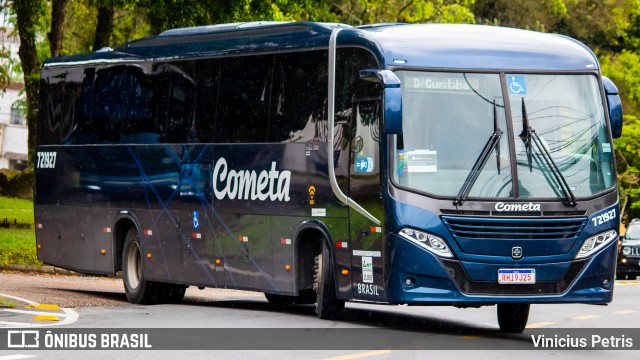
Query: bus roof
{"type": "Point", "coordinates": [443, 46]}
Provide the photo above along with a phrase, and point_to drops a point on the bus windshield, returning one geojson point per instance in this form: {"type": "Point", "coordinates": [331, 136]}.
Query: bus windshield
{"type": "Point", "coordinates": [456, 136]}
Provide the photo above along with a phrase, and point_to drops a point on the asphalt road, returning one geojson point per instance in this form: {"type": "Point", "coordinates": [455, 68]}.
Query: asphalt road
{"type": "Point", "coordinates": [239, 320]}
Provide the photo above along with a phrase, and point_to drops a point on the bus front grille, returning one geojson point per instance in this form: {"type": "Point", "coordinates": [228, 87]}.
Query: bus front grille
{"type": "Point", "coordinates": [514, 229]}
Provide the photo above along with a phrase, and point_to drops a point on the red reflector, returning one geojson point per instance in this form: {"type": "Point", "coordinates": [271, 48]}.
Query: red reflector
{"type": "Point", "coordinates": [342, 244]}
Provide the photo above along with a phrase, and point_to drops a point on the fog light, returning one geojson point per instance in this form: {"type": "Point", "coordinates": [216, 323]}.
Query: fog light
{"type": "Point", "coordinates": [605, 282]}
{"type": "Point", "coordinates": [409, 281]}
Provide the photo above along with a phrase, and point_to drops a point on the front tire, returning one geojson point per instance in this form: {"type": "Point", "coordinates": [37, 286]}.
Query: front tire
{"type": "Point", "coordinates": [328, 306]}
{"type": "Point", "coordinates": [305, 297]}
{"type": "Point", "coordinates": [513, 318]}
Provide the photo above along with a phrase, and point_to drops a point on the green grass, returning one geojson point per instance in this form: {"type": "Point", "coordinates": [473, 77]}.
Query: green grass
{"type": "Point", "coordinates": [4, 303]}
{"type": "Point", "coordinates": [17, 246]}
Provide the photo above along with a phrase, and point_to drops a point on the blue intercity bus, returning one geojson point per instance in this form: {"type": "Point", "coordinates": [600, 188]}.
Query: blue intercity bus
{"type": "Point", "coordinates": [320, 163]}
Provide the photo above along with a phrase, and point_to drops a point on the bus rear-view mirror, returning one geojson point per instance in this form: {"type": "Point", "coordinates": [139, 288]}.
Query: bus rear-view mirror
{"type": "Point", "coordinates": [391, 95]}
{"type": "Point", "coordinates": [615, 107]}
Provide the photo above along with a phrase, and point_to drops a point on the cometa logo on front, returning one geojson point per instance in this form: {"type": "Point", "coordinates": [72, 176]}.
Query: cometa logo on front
{"type": "Point", "coordinates": [517, 207]}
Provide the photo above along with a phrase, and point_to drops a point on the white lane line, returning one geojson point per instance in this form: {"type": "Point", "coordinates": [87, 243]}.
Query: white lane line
{"type": "Point", "coordinates": [69, 316]}
{"type": "Point", "coordinates": [14, 323]}
{"type": "Point", "coordinates": [20, 299]}
{"type": "Point", "coordinates": [16, 357]}
{"type": "Point", "coordinates": [29, 312]}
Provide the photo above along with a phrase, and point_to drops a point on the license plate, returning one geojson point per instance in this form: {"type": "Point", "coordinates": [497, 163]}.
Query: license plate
{"type": "Point", "coordinates": [517, 276]}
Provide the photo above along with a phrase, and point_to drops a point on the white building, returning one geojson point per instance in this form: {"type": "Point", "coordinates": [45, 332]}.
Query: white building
{"type": "Point", "coordinates": [13, 125]}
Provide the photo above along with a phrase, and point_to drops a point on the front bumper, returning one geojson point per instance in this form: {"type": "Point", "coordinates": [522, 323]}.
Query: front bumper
{"type": "Point", "coordinates": [420, 278]}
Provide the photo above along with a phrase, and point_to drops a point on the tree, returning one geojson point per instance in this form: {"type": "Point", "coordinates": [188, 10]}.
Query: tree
{"type": "Point", "coordinates": [27, 12]}
{"type": "Point", "coordinates": [358, 12]}
{"type": "Point", "coordinates": [58, 11]}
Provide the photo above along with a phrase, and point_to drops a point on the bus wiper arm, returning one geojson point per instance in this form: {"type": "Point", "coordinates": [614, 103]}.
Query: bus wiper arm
{"type": "Point", "coordinates": [492, 143]}
{"type": "Point", "coordinates": [529, 135]}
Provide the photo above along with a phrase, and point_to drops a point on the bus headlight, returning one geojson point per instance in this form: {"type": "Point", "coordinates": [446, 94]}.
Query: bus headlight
{"type": "Point", "coordinates": [626, 250]}
{"type": "Point", "coordinates": [596, 242]}
{"type": "Point", "coordinates": [430, 242]}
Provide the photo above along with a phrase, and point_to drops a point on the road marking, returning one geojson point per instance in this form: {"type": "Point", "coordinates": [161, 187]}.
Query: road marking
{"type": "Point", "coordinates": [627, 282]}
{"type": "Point", "coordinates": [30, 312]}
{"type": "Point", "coordinates": [20, 299]}
{"type": "Point", "coordinates": [585, 317]}
{"type": "Point", "coordinates": [360, 355]}
{"type": "Point", "coordinates": [43, 306]}
{"type": "Point", "coordinates": [624, 312]}
{"type": "Point", "coordinates": [539, 324]}
{"type": "Point", "coordinates": [13, 323]}
{"type": "Point", "coordinates": [69, 315]}
{"type": "Point", "coordinates": [16, 357]}
{"type": "Point", "coordinates": [469, 337]}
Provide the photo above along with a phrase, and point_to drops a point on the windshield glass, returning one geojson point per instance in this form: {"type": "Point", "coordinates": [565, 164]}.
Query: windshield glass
{"type": "Point", "coordinates": [448, 120]}
{"type": "Point", "coordinates": [566, 113]}
{"type": "Point", "coordinates": [633, 232]}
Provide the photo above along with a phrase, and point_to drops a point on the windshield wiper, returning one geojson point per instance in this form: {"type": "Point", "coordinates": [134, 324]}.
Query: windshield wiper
{"type": "Point", "coordinates": [528, 135]}
{"type": "Point", "coordinates": [492, 143]}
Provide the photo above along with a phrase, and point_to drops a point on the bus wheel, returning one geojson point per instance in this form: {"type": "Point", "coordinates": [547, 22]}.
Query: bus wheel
{"type": "Point", "coordinates": [171, 293]}
{"type": "Point", "coordinates": [305, 297]}
{"type": "Point", "coordinates": [137, 289]}
{"type": "Point", "coordinates": [328, 306]}
{"type": "Point", "coordinates": [512, 318]}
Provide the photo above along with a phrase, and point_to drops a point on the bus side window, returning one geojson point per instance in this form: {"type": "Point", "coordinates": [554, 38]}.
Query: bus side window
{"type": "Point", "coordinates": [52, 94]}
{"type": "Point", "coordinates": [208, 72]}
{"type": "Point", "coordinates": [84, 110]}
{"type": "Point", "coordinates": [243, 102]}
{"type": "Point", "coordinates": [299, 93]}
{"type": "Point", "coordinates": [136, 120]}
{"type": "Point", "coordinates": [108, 105]}
{"type": "Point", "coordinates": [182, 98]}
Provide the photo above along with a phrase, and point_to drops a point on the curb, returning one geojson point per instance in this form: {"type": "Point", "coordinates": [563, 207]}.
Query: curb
{"type": "Point", "coordinates": [39, 269]}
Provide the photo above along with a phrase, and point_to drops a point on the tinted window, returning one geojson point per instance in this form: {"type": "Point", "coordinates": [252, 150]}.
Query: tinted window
{"type": "Point", "coordinates": [243, 103]}
{"type": "Point", "coordinates": [299, 101]}
{"type": "Point", "coordinates": [137, 118]}
{"type": "Point", "coordinates": [180, 124]}
{"type": "Point", "coordinates": [51, 112]}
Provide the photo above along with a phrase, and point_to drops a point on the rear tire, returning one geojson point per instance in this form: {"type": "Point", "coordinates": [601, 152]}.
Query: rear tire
{"type": "Point", "coordinates": [137, 289]}
{"type": "Point", "coordinates": [513, 318]}
{"type": "Point", "coordinates": [328, 306]}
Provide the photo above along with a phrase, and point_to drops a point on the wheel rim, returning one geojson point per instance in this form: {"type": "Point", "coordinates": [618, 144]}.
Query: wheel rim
{"type": "Point", "coordinates": [134, 266]}
{"type": "Point", "coordinates": [317, 277]}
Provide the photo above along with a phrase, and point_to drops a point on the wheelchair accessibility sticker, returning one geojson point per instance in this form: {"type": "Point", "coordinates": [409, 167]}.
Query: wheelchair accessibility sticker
{"type": "Point", "coordinates": [517, 85]}
{"type": "Point", "coordinates": [196, 220]}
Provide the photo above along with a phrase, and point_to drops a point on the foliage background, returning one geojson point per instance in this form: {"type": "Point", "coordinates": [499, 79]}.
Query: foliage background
{"type": "Point", "coordinates": [610, 27]}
